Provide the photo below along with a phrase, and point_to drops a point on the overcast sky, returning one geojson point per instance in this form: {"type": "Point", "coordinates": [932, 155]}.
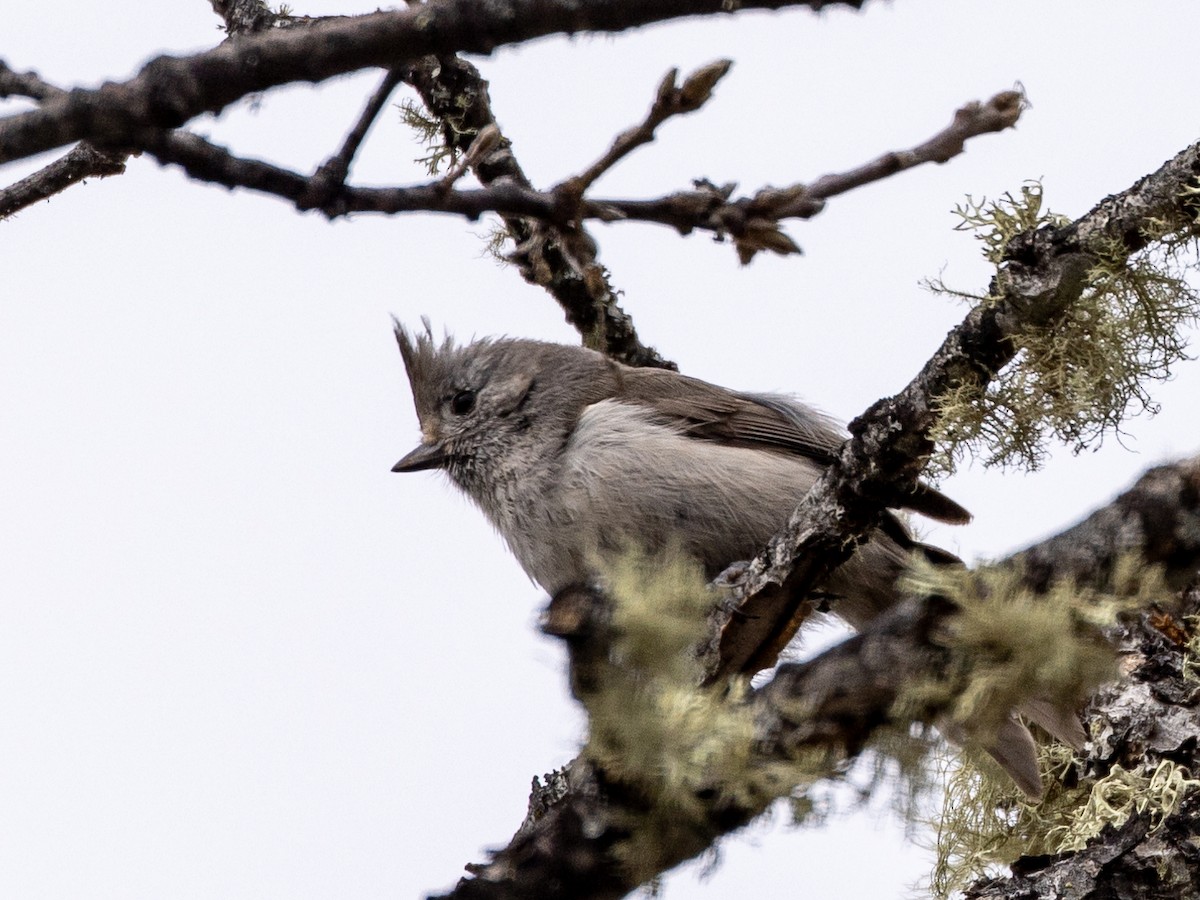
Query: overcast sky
{"type": "Point", "coordinates": [241, 659]}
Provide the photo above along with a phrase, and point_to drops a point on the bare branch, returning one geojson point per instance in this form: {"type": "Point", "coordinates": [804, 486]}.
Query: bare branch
{"type": "Point", "coordinates": [84, 161]}
{"type": "Point", "coordinates": [330, 177]}
{"type": "Point", "coordinates": [753, 222]}
{"type": "Point", "coordinates": [972, 120]}
{"type": "Point", "coordinates": [670, 100]}
{"type": "Point", "coordinates": [560, 259]}
{"type": "Point", "coordinates": [25, 84]}
{"type": "Point", "coordinates": [169, 91]}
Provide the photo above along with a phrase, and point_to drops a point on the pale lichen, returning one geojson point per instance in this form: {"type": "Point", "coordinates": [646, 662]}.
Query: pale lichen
{"type": "Point", "coordinates": [1009, 645]}
{"type": "Point", "coordinates": [987, 824]}
{"type": "Point", "coordinates": [431, 132]}
{"type": "Point", "coordinates": [691, 750]}
{"type": "Point", "coordinates": [1019, 647]}
{"type": "Point", "coordinates": [1079, 378]}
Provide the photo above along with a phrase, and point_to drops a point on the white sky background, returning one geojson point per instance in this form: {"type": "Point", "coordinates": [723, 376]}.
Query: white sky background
{"type": "Point", "coordinates": [241, 659]}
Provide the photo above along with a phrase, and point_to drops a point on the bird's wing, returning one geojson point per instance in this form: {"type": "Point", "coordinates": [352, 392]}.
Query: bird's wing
{"type": "Point", "coordinates": [760, 421]}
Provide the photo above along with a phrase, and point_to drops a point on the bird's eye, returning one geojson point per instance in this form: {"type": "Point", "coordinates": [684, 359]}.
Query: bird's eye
{"type": "Point", "coordinates": [462, 403]}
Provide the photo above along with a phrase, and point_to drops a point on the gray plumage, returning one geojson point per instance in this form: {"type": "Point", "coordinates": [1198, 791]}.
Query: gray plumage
{"type": "Point", "coordinates": [571, 454]}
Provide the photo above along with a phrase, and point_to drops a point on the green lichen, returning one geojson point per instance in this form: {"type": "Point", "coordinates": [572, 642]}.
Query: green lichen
{"type": "Point", "coordinates": [1191, 652]}
{"type": "Point", "coordinates": [987, 824]}
{"type": "Point", "coordinates": [1010, 645]}
{"type": "Point", "coordinates": [688, 749]}
{"type": "Point", "coordinates": [431, 132]}
{"type": "Point", "coordinates": [649, 723]}
{"type": "Point", "coordinates": [1078, 379]}
{"type": "Point", "coordinates": [1017, 646]}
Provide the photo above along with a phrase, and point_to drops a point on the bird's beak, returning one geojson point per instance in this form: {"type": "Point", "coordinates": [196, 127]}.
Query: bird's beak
{"type": "Point", "coordinates": [426, 456]}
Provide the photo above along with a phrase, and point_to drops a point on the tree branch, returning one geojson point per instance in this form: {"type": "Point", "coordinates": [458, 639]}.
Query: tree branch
{"type": "Point", "coordinates": [561, 258]}
{"type": "Point", "coordinates": [1043, 272]}
{"type": "Point", "coordinates": [330, 177]}
{"type": "Point", "coordinates": [831, 704]}
{"type": "Point", "coordinates": [82, 162]}
{"type": "Point", "coordinates": [753, 222]}
{"type": "Point", "coordinates": [670, 100]}
{"type": "Point", "coordinates": [1143, 748]}
{"type": "Point", "coordinates": [750, 220]}
{"type": "Point", "coordinates": [169, 91]}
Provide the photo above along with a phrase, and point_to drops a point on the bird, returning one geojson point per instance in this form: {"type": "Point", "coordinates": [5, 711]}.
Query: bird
{"type": "Point", "coordinates": [571, 454]}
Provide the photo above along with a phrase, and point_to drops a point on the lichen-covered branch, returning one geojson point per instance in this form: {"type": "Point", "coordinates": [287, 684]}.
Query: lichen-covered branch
{"type": "Point", "coordinates": [587, 843]}
{"type": "Point", "coordinates": [1128, 818]}
{"type": "Point", "coordinates": [1041, 273]}
{"type": "Point", "coordinates": [822, 713]}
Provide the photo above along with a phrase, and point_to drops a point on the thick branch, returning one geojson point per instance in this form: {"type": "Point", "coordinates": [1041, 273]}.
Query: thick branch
{"type": "Point", "coordinates": [1158, 517]}
{"type": "Point", "coordinates": [830, 705]}
{"type": "Point", "coordinates": [169, 91]}
{"type": "Point", "coordinates": [1042, 274]}
{"type": "Point", "coordinates": [850, 690]}
{"type": "Point", "coordinates": [1145, 724]}
{"type": "Point", "coordinates": [833, 703]}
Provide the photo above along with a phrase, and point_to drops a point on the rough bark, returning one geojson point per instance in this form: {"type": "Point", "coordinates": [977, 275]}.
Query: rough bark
{"type": "Point", "coordinates": [1148, 719]}
{"type": "Point", "coordinates": [1042, 273]}
{"type": "Point", "coordinates": [849, 691]}
{"type": "Point", "coordinates": [835, 702]}
{"type": "Point", "coordinates": [169, 91]}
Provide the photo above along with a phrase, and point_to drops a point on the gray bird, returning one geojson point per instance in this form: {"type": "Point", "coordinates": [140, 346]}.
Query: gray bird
{"type": "Point", "coordinates": [571, 454]}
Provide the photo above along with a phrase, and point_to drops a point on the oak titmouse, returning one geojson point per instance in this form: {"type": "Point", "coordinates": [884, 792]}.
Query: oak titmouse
{"type": "Point", "coordinates": [571, 454]}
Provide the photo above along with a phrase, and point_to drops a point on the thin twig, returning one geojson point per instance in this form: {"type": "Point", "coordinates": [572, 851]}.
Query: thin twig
{"type": "Point", "coordinates": [560, 259]}
{"type": "Point", "coordinates": [975, 118]}
{"type": "Point", "coordinates": [84, 161]}
{"type": "Point", "coordinates": [487, 140]}
{"type": "Point", "coordinates": [670, 100]}
{"type": "Point", "coordinates": [331, 175]}
{"type": "Point", "coordinates": [25, 84]}
{"type": "Point", "coordinates": [708, 207]}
